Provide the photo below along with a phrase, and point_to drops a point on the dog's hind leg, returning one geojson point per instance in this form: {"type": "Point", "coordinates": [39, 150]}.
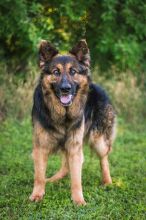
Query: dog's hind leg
{"type": "Point", "coordinates": [99, 144]}
{"type": "Point", "coordinates": [106, 177]}
{"type": "Point", "coordinates": [62, 172]}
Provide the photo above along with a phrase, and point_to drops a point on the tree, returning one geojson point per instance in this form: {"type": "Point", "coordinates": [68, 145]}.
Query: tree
{"type": "Point", "coordinates": [115, 30]}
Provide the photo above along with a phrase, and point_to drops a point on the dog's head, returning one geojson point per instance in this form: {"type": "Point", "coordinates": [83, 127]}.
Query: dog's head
{"type": "Point", "coordinates": [64, 75]}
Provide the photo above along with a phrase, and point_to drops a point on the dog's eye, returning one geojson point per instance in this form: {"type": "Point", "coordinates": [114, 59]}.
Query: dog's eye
{"type": "Point", "coordinates": [72, 72]}
{"type": "Point", "coordinates": [56, 72]}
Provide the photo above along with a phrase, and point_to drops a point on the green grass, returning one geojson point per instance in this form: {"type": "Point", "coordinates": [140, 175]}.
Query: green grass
{"type": "Point", "coordinates": [125, 199]}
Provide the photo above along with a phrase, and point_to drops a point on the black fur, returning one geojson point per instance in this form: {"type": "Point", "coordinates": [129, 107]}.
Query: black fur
{"type": "Point", "coordinates": [40, 111]}
{"type": "Point", "coordinates": [94, 109]}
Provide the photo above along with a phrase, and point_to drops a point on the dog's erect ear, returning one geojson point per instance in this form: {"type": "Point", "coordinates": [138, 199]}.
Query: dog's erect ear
{"type": "Point", "coordinates": [46, 53]}
{"type": "Point", "coordinates": [81, 51]}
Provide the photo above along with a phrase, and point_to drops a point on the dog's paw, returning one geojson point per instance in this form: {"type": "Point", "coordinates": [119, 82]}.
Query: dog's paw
{"type": "Point", "coordinates": [37, 196]}
{"type": "Point", "coordinates": [80, 202]}
{"type": "Point", "coordinates": [78, 199]}
{"type": "Point", "coordinates": [107, 182]}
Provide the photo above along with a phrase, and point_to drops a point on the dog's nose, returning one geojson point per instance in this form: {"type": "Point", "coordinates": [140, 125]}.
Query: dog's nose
{"type": "Point", "coordinates": [65, 87]}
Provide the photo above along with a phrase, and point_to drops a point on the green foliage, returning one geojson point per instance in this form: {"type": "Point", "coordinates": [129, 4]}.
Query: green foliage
{"type": "Point", "coordinates": [115, 30]}
{"type": "Point", "coordinates": [119, 30]}
{"type": "Point", "coordinates": [125, 199]}
{"type": "Point", "coordinates": [14, 33]}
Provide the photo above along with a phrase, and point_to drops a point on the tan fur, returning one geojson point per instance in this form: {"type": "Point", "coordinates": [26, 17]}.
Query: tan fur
{"type": "Point", "coordinates": [73, 154]}
{"type": "Point", "coordinates": [99, 144]}
{"type": "Point", "coordinates": [57, 110]}
{"type": "Point", "coordinates": [67, 123]}
{"type": "Point", "coordinates": [47, 140]}
{"type": "Point", "coordinates": [40, 156]}
{"type": "Point", "coordinates": [106, 178]}
{"type": "Point", "coordinates": [75, 160]}
{"type": "Point", "coordinates": [76, 108]}
{"type": "Point", "coordinates": [60, 67]}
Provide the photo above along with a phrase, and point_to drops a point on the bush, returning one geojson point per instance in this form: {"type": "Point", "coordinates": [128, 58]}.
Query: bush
{"type": "Point", "coordinates": [115, 30]}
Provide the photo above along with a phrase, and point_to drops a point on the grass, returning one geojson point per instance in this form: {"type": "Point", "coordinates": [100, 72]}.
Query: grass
{"type": "Point", "coordinates": [125, 199]}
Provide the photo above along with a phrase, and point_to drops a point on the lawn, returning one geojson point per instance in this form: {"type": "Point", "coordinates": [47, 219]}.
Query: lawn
{"type": "Point", "coordinates": [125, 199]}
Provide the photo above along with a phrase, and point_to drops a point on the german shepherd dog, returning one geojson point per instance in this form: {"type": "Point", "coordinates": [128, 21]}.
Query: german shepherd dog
{"type": "Point", "coordinates": [68, 108]}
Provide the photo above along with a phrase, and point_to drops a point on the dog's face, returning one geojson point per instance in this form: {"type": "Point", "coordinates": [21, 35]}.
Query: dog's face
{"type": "Point", "coordinates": [64, 74]}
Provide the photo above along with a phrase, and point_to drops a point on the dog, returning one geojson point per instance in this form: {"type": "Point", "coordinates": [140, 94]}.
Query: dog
{"type": "Point", "coordinates": [69, 108]}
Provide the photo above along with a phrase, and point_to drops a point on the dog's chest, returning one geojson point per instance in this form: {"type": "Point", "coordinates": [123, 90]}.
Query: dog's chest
{"type": "Point", "coordinates": [66, 133]}
{"type": "Point", "coordinates": [60, 137]}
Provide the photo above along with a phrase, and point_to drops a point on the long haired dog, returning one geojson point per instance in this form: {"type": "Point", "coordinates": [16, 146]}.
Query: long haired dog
{"type": "Point", "coordinates": [68, 108]}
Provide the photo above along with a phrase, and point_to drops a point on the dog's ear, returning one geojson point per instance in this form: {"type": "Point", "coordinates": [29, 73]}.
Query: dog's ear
{"type": "Point", "coordinates": [81, 51]}
{"type": "Point", "coordinates": [46, 53]}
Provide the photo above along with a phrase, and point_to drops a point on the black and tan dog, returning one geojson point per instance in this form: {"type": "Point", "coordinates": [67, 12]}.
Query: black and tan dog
{"type": "Point", "coordinates": [67, 108]}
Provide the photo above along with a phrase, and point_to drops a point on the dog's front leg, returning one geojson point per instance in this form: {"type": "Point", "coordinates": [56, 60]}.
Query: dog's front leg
{"type": "Point", "coordinates": [40, 156]}
{"type": "Point", "coordinates": [75, 159]}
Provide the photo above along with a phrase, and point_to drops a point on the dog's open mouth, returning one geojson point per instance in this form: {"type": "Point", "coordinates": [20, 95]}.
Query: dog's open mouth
{"type": "Point", "coordinates": [66, 100]}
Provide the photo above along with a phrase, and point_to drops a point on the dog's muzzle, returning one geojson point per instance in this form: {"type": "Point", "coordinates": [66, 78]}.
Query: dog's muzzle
{"type": "Point", "coordinates": [65, 93]}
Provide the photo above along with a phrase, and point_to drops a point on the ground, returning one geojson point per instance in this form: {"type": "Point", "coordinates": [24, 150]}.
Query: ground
{"type": "Point", "coordinates": [125, 199]}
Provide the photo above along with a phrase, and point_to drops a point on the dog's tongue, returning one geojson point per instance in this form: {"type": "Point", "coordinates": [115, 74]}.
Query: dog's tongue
{"type": "Point", "coordinates": [65, 99]}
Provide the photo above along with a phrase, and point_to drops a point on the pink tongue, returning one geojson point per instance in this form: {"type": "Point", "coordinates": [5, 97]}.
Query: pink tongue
{"type": "Point", "coordinates": [65, 99]}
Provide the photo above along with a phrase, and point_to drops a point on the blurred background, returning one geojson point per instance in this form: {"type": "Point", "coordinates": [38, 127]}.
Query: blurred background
{"type": "Point", "coordinates": [116, 35]}
{"type": "Point", "coordinates": [115, 31]}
